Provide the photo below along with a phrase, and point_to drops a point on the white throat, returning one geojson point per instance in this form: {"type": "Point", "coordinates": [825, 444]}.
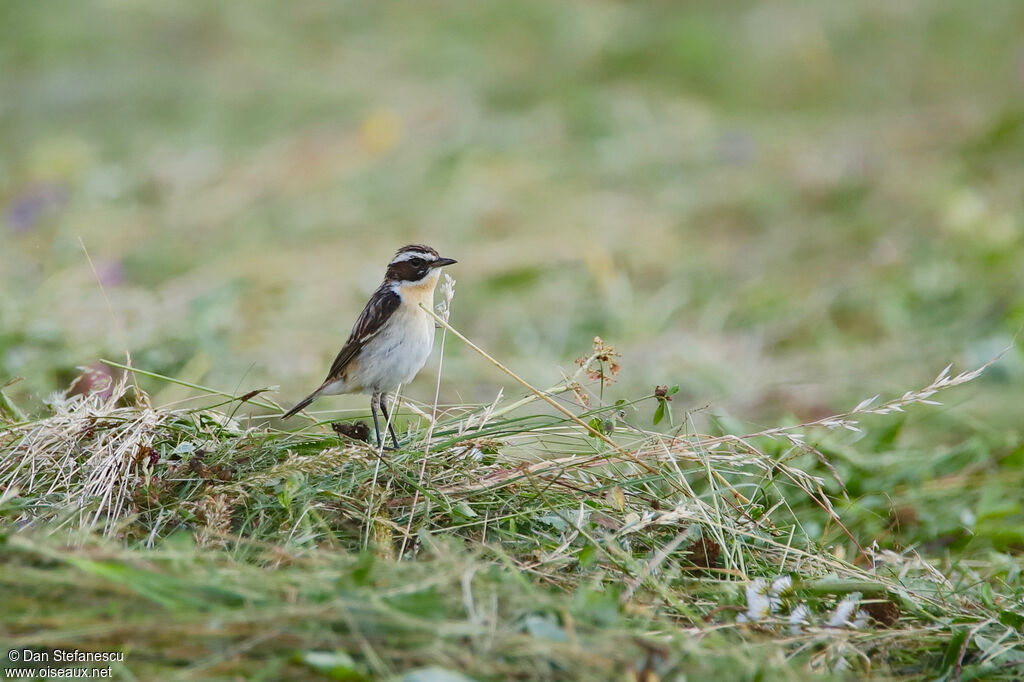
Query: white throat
{"type": "Point", "coordinates": [421, 291]}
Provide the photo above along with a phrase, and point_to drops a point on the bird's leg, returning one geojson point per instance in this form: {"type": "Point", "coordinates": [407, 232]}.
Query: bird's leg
{"type": "Point", "coordinates": [374, 400]}
{"type": "Point", "coordinates": [387, 419]}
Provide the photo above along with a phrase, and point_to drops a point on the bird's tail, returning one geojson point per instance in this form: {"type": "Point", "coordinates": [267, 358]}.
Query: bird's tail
{"type": "Point", "coordinates": [302, 404]}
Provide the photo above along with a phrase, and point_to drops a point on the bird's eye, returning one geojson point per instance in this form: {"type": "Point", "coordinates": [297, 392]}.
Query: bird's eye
{"type": "Point", "coordinates": [417, 262]}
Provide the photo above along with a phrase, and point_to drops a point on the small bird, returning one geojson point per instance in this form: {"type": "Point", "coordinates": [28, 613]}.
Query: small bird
{"type": "Point", "coordinates": [392, 339]}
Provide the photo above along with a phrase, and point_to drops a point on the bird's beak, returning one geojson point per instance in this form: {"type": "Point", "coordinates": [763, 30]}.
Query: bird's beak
{"type": "Point", "coordinates": [441, 262]}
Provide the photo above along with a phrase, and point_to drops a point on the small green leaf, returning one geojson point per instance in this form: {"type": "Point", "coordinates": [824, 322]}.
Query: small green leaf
{"type": "Point", "coordinates": [1012, 619]}
{"type": "Point", "coordinates": [999, 656]}
{"type": "Point", "coordinates": [659, 413]}
{"type": "Point", "coordinates": [424, 603]}
{"type": "Point", "coordinates": [463, 512]}
{"type": "Point", "coordinates": [363, 569]}
{"type": "Point", "coordinates": [598, 605]}
{"type": "Point", "coordinates": [587, 556]}
{"type": "Point", "coordinates": [952, 656]}
{"type": "Point", "coordinates": [555, 521]}
{"type": "Point", "coordinates": [336, 665]}
{"type": "Point", "coordinates": [595, 424]}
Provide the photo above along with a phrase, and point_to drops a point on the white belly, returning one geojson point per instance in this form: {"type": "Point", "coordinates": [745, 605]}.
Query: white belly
{"type": "Point", "coordinates": [396, 354]}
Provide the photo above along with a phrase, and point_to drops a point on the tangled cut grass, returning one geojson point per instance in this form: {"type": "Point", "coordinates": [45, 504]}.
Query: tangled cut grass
{"type": "Point", "coordinates": [578, 545]}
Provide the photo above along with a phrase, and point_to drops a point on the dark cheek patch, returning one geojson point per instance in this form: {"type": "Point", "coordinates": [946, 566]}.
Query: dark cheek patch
{"type": "Point", "coordinates": [402, 271]}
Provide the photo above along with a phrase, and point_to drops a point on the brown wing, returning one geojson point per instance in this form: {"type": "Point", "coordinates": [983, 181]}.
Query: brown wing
{"type": "Point", "coordinates": [377, 312]}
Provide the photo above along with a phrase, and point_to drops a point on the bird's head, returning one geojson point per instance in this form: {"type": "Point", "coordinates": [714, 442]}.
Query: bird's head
{"type": "Point", "coordinates": [416, 264]}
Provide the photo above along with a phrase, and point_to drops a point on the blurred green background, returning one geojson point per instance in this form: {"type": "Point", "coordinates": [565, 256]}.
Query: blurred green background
{"type": "Point", "coordinates": [782, 208]}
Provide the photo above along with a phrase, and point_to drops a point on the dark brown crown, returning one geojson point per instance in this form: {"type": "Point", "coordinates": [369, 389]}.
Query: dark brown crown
{"type": "Point", "coordinates": [422, 248]}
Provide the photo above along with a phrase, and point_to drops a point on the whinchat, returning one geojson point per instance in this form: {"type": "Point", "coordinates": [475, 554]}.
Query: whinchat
{"type": "Point", "coordinates": [393, 337]}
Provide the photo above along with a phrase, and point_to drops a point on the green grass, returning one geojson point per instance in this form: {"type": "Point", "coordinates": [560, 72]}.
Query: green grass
{"type": "Point", "coordinates": [499, 542]}
{"type": "Point", "coordinates": [780, 210]}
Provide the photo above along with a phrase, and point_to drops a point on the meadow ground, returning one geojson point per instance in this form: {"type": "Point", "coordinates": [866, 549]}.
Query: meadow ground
{"type": "Point", "coordinates": [773, 211]}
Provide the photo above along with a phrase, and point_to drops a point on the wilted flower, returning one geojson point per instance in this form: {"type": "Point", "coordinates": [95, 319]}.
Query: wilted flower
{"type": "Point", "coordinates": [582, 398]}
{"type": "Point", "coordinates": [840, 618]}
{"type": "Point", "coordinates": [764, 599]}
{"type": "Point", "coordinates": [781, 584]}
{"type": "Point", "coordinates": [759, 603]}
{"type": "Point", "coordinates": [798, 617]}
{"type": "Point", "coordinates": [604, 355]}
{"type": "Point", "coordinates": [447, 294]}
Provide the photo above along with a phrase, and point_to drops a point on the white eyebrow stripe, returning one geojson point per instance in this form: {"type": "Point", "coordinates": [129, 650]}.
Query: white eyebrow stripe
{"type": "Point", "coordinates": [409, 255]}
